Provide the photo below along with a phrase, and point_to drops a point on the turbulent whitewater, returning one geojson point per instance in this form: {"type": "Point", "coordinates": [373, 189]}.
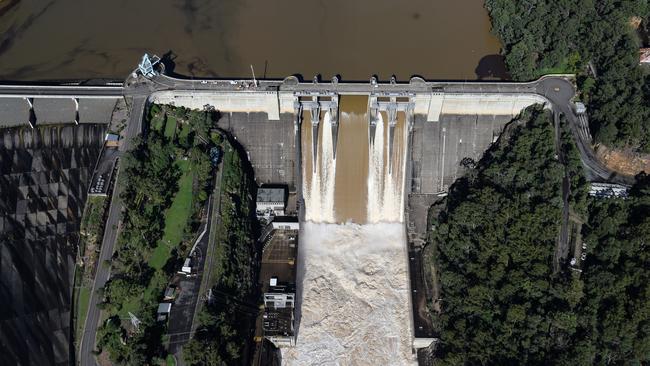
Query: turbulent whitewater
{"type": "Point", "coordinates": [355, 308]}
{"type": "Point", "coordinates": [353, 289]}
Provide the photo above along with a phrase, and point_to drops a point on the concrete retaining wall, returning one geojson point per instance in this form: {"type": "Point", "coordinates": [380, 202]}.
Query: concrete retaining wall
{"type": "Point", "coordinates": [274, 103]}
{"type": "Point", "coordinates": [488, 104]}
{"type": "Point", "coordinates": [241, 101]}
{"type": "Point", "coordinates": [435, 104]}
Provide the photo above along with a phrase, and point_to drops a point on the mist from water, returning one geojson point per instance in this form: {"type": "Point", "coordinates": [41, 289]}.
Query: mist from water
{"type": "Point", "coordinates": [354, 292]}
{"type": "Point", "coordinates": [353, 283]}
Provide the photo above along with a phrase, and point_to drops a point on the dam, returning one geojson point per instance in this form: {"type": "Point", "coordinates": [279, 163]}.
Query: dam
{"type": "Point", "coordinates": [362, 162]}
{"type": "Point", "coordinates": [365, 162]}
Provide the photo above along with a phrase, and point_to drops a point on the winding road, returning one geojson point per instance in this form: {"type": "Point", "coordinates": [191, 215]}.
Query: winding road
{"type": "Point", "coordinates": [134, 127]}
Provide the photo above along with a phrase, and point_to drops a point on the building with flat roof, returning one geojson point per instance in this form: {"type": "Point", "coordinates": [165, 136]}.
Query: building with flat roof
{"type": "Point", "coordinates": [278, 281]}
{"type": "Point", "coordinates": [270, 202]}
{"type": "Point", "coordinates": [164, 308]}
{"type": "Point", "coordinates": [608, 190]}
{"type": "Point", "coordinates": [278, 321]}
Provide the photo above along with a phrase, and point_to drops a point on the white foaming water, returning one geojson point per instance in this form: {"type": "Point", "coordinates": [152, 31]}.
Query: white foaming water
{"type": "Point", "coordinates": [320, 192]}
{"type": "Point", "coordinates": [385, 175]}
{"type": "Point", "coordinates": [377, 177]}
{"type": "Point", "coordinates": [353, 282]}
{"type": "Point", "coordinates": [353, 286]}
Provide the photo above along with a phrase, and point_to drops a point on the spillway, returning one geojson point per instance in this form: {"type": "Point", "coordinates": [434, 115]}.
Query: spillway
{"type": "Point", "coordinates": [364, 182]}
{"type": "Point", "coordinates": [353, 285]}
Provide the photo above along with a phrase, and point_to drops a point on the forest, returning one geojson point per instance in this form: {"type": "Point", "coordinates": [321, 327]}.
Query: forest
{"type": "Point", "coordinates": [502, 300]}
{"type": "Point", "coordinates": [169, 171]}
{"type": "Point", "coordinates": [225, 322]}
{"type": "Point", "coordinates": [597, 40]}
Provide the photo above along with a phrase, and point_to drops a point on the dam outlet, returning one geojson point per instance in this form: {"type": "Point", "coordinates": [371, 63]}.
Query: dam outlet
{"type": "Point", "coordinates": [352, 279]}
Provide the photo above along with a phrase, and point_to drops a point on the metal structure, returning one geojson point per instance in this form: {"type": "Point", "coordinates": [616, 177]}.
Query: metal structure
{"type": "Point", "coordinates": [146, 65]}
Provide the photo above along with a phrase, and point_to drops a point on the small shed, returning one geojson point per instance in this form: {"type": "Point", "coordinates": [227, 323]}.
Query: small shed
{"type": "Point", "coordinates": [164, 308]}
{"type": "Point", "coordinates": [170, 293]}
{"type": "Point", "coordinates": [111, 140]}
{"type": "Point", "coordinates": [187, 266]}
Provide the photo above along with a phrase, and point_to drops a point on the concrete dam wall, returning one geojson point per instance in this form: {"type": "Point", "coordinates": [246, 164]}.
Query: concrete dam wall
{"type": "Point", "coordinates": [274, 103]}
{"type": "Point", "coordinates": [444, 128]}
{"type": "Point", "coordinates": [44, 175]}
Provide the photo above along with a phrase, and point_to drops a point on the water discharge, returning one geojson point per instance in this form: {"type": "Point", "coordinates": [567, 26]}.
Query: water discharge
{"type": "Point", "coordinates": [355, 297]}
{"type": "Point", "coordinates": [364, 183]}
{"type": "Point", "coordinates": [353, 289]}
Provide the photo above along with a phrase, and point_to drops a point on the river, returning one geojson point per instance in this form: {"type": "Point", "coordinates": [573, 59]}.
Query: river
{"type": "Point", "coordinates": [81, 39]}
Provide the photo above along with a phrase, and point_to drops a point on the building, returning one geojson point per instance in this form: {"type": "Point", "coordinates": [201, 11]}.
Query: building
{"type": "Point", "coordinates": [278, 281]}
{"type": "Point", "coordinates": [608, 190]}
{"type": "Point", "coordinates": [187, 267]}
{"type": "Point", "coordinates": [111, 140]}
{"type": "Point", "coordinates": [147, 65]}
{"type": "Point", "coordinates": [164, 308]}
{"type": "Point", "coordinates": [644, 56]}
{"type": "Point", "coordinates": [170, 293]}
{"type": "Point", "coordinates": [285, 223]}
{"type": "Point", "coordinates": [270, 202]}
{"type": "Point", "coordinates": [278, 320]}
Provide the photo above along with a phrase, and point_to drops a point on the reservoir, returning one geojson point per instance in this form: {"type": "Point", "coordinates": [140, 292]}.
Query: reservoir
{"type": "Point", "coordinates": [81, 39]}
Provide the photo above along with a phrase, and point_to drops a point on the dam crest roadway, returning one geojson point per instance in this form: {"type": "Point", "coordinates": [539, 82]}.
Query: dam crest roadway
{"type": "Point", "coordinates": [20, 103]}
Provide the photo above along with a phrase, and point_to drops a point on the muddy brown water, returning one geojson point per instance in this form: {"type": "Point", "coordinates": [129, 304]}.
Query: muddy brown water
{"type": "Point", "coordinates": [80, 39]}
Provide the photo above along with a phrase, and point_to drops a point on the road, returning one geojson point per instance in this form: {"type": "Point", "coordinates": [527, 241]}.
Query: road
{"type": "Point", "coordinates": [560, 92]}
{"type": "Point", "coordinates": [102, 275]}
{"type": "Point", "coordinates": [60, 91]}
{"type": "Point", "coordinates": [556, 89]}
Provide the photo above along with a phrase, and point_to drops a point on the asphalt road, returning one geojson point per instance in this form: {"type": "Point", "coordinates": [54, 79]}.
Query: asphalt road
{"type": "Point", "coordinates": [560, 91]}
{"type": "Point", "coordinates": [102, 275]}
{"type": "Point", "coordinates": [181, 316]}
{"type": "Point", "coordinates": [61, 91]}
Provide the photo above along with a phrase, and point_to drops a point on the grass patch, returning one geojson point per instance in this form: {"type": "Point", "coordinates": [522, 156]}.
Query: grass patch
{"type": "Point", "coordinates": [176, 217]}
{"type": "Point", "coordinates": [170, 127]}
{"type": "Point", "coordinates": [170, 360]}
{"type": "Point", "coordinates": [131, 305]}
{"type": "Point", "coordinates": [156, 118]}
{"type": "Point", "coordinates": [92, 223]}
{"type": "Point", "coordinates": [185, 131]}
{"type": "Point", "coordinates": [157, 123]}
{"type": "Point", "coordinates": [82, 309]}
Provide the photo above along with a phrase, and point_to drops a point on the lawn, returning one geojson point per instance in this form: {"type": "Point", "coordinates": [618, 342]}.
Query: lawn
{"type": "Point", "coordinates": [176, 218]}
{"type": "Point", "coordinates": [82, 309]}
{"type": "Point", "coordinates": [185, 130]}
{"type": "Point", "coordinates": [132, 304]}
{"type": "Point", "coordinates": [170, 126]}
{"type": "Point", "coordinates": [157, 123]}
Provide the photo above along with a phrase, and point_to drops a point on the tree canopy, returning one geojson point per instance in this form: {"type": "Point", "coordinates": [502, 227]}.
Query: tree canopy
{"type": "Point", "coordinates": [502, 302]}
{"type": "Point", "coordinates": [594, 39]}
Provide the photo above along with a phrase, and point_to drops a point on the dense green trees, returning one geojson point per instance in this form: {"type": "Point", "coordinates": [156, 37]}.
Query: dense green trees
{"type": "Point", "coordinates": [566, 36]}
{"type": "Point", "coordinates": [614, 318]}
{"type": "Point", "coordinates": [226, 320]}
{"type": "Point", "coordinates": [149, 177]}
{"type": "Point", "coordinates": [501, 301]}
